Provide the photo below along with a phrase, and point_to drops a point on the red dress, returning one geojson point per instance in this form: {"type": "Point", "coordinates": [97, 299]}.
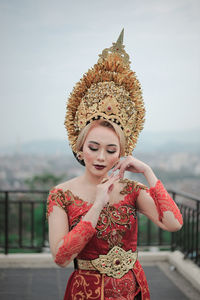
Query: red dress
{"type": "Point", "coordinates": [117, 226]}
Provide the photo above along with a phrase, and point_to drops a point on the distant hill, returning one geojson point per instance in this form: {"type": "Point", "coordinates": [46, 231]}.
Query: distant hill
{"type": "Point", "coordinates": [54, 146]}
{"type": "Point", "coordinates": [177, 141]}
{"type": "Point", "coordinates": [183, 141]}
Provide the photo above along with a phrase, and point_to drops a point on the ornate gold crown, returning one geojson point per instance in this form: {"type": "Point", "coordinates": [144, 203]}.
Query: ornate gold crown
{"type": "Point", "coordinates": [111, 91]}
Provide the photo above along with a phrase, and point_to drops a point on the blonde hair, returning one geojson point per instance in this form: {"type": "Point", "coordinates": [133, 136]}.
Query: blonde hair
{"type": "Point", "coordinates": [105, 123]}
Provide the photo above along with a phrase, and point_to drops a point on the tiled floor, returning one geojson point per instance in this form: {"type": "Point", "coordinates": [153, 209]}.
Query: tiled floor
{"type": "Point", "coordinates": [50, 284]}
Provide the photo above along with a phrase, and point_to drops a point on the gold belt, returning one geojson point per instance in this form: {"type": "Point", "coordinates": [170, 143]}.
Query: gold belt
{"type": "Point", "coordinates": [115, 263]}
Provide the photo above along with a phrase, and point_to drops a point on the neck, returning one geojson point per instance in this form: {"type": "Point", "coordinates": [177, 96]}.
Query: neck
{"type": "Point", "coordinates": [92, 179]}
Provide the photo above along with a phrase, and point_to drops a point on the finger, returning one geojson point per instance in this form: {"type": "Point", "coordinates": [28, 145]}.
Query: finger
{"type": "Point", "coordinates": [110, 188]}
{"type": "Point", "coordinates": [105, 179]}
{"type": "Point", "coordinates": [113, 179]}
{"type": "Point", "coordinates": [121, 174]}
{"type": "Point", "coordinates": [111, 176]}
{"type": "Point", "coordinates": [124, 166]}
{"type": "Point", "coordinates": [121, 171]}
{"type": "Point", "coordinates": [117, 166]}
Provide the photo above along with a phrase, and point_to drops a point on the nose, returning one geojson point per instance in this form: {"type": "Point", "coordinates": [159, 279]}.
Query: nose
{"type": "Point", "coordinates": [101, 155]}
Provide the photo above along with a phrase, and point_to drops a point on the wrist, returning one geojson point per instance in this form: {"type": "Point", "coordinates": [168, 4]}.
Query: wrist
{"type": "Point", "coordinates": [147, 171]}
{"type": "Point", "coordinates": [150, 177]}
{"type": "Point", "coordinates": [98, 205]}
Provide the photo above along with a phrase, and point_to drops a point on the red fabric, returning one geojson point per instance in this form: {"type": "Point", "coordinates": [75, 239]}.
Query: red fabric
{"type": "Point", "coordinates": [117, 225]}
{"type": "Point", "coordinates": [164, 202]}
{"type": "Point", "coordinates": [56, 198]}
{"type": "Point", "coordinates": [74, 241]}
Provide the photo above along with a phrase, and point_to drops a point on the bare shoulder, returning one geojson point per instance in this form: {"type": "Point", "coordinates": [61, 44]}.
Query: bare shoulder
{"type": "Point", "coordinates": [69, 184]}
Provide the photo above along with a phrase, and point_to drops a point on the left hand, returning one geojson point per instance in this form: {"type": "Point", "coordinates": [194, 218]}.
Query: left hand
{"type": "Point", "coordinates": [131, 164]}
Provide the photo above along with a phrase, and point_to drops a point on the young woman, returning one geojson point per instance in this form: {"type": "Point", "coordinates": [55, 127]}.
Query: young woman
{"type": "Point", "coordinates": [93, 217]}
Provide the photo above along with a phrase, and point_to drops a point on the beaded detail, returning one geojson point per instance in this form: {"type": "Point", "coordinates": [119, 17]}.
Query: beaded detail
{"type": "Point", "coordinates": [124, 288]}
{"type": "Point", "coordinates": [56, 197]}
{"type": "Point", "coordinates": [131, 186]}
{"type": "Point", "coordinates": [114, 222]}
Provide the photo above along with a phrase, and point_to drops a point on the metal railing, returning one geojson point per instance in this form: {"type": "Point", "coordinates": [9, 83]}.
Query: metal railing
{"type": "Point", "coordinates": [188, 238]}
{"type": "Point", "coordinates": [23, 224]}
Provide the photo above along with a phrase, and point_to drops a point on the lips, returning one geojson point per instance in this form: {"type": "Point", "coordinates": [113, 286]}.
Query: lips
{"type": "Point", "coordinates": [99, 167]}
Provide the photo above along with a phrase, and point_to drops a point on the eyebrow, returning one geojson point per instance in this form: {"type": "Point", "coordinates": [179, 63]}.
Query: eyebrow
{"type": "Point", "coordinates": [99, 144]}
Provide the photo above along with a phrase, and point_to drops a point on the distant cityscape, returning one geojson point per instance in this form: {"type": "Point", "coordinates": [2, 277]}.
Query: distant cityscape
{"type": "Point", "coordinates": [178, 167]}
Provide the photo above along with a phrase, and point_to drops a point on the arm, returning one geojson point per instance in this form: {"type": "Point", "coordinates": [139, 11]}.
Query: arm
{"type": "Point", "coordinates": [155, 203]}
{"type": "Point", "coordinates": [65, 245]}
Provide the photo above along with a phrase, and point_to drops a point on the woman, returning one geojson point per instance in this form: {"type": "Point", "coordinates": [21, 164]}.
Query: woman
{"type": "Point", "coordinates": [93, 217]}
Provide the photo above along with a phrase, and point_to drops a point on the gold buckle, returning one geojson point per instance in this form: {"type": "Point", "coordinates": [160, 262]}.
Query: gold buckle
{"type": "Point", "coordinates": [116, 262]}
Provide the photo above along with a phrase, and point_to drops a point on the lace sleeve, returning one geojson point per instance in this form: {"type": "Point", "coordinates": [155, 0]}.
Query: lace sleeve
{"type": "Point", "coordinates": [74, 242]}
{"type": "Point", "coordinates": [65, 245]}
{"type": "Point", "coordinates": [164, 202]}
{"type": "Point", "coordinates": [56, 197]}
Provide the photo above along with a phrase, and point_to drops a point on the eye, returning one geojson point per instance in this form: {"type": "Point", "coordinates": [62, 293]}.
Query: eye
{"type": "Point", "coordinates": [111, 151]}
{"type": "Point", "coordinates": [93, 149]}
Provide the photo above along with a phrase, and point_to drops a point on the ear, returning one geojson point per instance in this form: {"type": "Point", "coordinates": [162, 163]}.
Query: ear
{"type": "Point", "coordinates": [80, 155]}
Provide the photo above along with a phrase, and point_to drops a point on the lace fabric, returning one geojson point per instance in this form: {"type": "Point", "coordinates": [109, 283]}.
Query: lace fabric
{"type": "Point", "coordinates": [164, 202]}
{"type": "Point", "coordinates": [56, 197]}
{"type": "Point", "coordinates": [117, 226]}
{"type": "Point", "coordinates": [74, 241]}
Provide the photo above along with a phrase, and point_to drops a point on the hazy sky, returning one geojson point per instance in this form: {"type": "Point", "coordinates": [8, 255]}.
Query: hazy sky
{"type": "Point", "coordinates": [47, 45]}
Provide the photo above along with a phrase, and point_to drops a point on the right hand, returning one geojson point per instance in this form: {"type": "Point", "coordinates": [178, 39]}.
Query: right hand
{"type": "Point", "coordinates": [104, 189]}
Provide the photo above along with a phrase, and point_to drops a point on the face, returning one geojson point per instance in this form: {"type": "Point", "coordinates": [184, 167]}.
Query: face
{"type": "Point", "coordinates": [101, 150]}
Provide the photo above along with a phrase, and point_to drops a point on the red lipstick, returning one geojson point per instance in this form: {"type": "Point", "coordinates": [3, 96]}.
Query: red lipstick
{"type": "Point", "coordinates": [99, 167]}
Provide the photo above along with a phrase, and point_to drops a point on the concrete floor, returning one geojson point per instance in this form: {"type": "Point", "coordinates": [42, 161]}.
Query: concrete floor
{"type": "Point", "coordinates": [50, 283]}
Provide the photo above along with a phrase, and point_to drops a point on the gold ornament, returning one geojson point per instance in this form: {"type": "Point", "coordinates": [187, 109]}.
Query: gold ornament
{"type": "Point", "coordinates": [116, 263]}
{"type": "Point", "coordinates": [110, 91]}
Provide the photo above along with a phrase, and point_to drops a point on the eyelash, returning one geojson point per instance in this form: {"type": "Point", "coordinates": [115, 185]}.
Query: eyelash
{"type": "Point", "coordinates": [110, 152]}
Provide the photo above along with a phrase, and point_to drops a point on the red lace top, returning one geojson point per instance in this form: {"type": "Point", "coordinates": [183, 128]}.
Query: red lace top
{"type": "Point", "coordinates": [117, 226]}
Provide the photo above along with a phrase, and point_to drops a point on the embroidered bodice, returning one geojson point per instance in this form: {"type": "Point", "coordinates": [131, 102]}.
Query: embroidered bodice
{"type": "Point", "coordinates": [117, 223]}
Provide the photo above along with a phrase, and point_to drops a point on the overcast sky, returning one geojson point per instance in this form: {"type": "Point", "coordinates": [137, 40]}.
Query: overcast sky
{"type": "Point", "coordinates": [47, 45]}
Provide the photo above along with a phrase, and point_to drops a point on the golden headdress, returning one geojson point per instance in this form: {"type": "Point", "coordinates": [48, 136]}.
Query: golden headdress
{"type": "Point", "coordinates": [111, 91]}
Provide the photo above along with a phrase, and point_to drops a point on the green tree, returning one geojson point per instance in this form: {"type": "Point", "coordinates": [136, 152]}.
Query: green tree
{"type": "Point", "coordinates": [44, 181]}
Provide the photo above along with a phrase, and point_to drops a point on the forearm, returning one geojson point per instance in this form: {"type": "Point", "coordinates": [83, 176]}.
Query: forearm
{"type": "Point", "coordinates": [164, 203]}
{"type": "Point", "coordinates": [93, 214]}
{"type": "Point", "coordinates": [150, 177]}
{"type": "Point", "coordinates": [74, 242]}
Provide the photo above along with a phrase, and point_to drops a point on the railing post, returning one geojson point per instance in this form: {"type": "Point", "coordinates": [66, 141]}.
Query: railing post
{"type": "Point", "coordinates": [193, 234]}
{"type": "Point", "coordinates": [172, 234]}
{"type": "Point", "coordinates": [32, 224]}
{"type": "Point", "coordinates": [20, 224]}
{"type": "Point", "coordinates": [197, 234]}
{"type": "Point", "coordinates": [43, 223]}
{"type": "Point", "coordinates": [6, 222]}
